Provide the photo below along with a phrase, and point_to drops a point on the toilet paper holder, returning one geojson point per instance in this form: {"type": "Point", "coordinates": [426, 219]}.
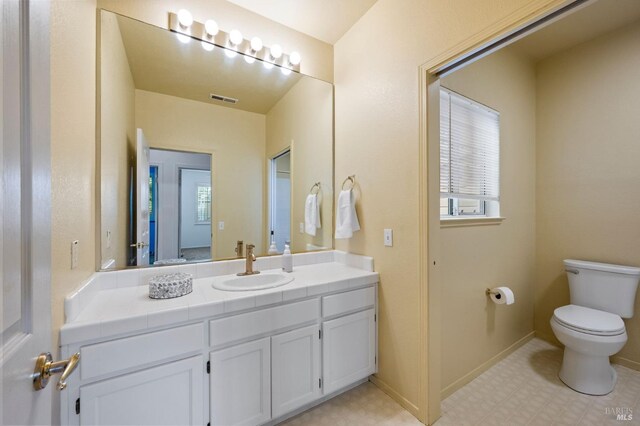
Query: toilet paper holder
{"type": "Point", "coordinates": [489, 292]}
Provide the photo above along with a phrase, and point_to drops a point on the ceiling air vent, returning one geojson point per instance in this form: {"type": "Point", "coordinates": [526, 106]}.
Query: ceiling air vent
{"type": "Point", "coordinates": [223, 98]}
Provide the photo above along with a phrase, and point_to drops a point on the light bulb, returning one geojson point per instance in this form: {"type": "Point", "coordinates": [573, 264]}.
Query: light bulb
{"type": "Point", "coordinates": [256, 44]}
{"type": "Point", "coordinates": [183, 38]}
{"type": "Point", "coordinates": [230, 53]}
{"type": "Point", "coordinates": [235, 37]}
{"type": "Point", "coordinates": [249, 59]}
{"type": "Point", "coordinates": [207, 46]}
{"type": "Point", "coordinates": [294, 58]}
{"type": "Point", "coordinates": [184, 18]}
{"type": "Point", "coordinates": [276, 51]}
{"type": "Point", "coordinates": [267, 65]}
{"type": "Point", "coordinates": [285, 71]}
{"type": "Point", "coordinates": [211, 27]}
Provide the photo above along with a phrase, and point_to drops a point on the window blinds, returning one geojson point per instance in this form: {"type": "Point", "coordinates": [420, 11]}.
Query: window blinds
{"type": "Point", "coordinates": [469, 149]}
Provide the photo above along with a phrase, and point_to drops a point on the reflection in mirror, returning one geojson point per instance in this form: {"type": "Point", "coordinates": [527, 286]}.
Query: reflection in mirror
{"type": "Point", "coordinates": [199, 151]}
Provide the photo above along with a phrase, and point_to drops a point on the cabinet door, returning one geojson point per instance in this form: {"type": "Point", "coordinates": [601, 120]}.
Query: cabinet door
{"type": "Point", "coordinates": [295, 369]}
{"type": "Point", "coordinates": [170, 394]}
{"type": "Point", "coordinates": [241, 384]}
{"type": "Point", "coordinates": [348, 350]}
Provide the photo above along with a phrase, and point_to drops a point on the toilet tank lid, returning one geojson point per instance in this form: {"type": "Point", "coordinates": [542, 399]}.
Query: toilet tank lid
{"type": "Point", "coordinates": [604, 267]}
{"type": "Point", "coordinates": [588, 319]}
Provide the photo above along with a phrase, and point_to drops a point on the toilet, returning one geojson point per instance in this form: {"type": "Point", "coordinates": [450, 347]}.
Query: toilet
{"type": "Point", "coordinates": [591, 327]}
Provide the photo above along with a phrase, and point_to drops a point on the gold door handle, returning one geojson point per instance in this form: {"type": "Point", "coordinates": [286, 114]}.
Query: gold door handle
{"type": "Point", "coordinates": [45, 368]}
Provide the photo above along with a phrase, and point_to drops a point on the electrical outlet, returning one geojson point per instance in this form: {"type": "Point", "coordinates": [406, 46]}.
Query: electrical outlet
{"type": "Point", "coordinates": [74, 254]}
{"type": "Point", "coordinates": [220, 226]}
{"type": "Point", "coordinates": [108, 239]}
{"type": "Point", "coordinates": [388, 237]}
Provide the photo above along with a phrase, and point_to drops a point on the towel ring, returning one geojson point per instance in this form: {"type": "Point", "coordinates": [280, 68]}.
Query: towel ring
{"type": "Point", "coordinates": [351, 178]}
{"type": "Point", "coordinates": [315, 186]}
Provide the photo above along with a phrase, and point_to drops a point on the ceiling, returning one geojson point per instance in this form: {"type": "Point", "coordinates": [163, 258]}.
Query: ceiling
{"type": "Point", "coordinates": [160, 63]}
{"type": "Point", "coordinates": [326, 20]}
{"type": "Point", "coordinates": [582, 25]}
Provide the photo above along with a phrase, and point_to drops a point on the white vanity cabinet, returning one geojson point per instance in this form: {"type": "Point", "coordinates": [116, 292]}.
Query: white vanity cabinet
{"type": "Point", "coordinates": [264, 364]}
{"type": "Point", "coordinates": [169, 394]}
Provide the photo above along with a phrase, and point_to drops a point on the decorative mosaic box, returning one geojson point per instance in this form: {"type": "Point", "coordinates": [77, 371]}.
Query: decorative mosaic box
{"type": "Point", "coordinates": [168, 286]}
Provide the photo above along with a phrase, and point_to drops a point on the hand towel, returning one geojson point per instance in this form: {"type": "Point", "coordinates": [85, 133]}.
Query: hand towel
{"type": "Point", "coordinates": [311, 214]}
{"type": "Point", "coordinates": [346, 217]}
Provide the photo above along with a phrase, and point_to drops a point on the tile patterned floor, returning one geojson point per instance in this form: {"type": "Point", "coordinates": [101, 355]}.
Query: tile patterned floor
{"type": "Point", "coordinates": [365, 405]}
{"type": "Point", "coordinates": [524, 389]}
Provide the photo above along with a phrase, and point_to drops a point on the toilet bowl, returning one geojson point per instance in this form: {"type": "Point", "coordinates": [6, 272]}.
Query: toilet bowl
{"type": "Point", "coordinates": [590, 338]}
{"type": "Point", "coordinates": [591, 327]}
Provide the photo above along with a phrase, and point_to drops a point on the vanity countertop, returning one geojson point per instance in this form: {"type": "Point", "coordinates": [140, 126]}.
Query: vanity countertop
{"type": "Point", "coordinates": [118, 311]}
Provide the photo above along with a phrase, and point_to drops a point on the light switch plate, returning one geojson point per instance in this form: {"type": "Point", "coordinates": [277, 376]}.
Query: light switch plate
{"type": "Point", "coordinates": [388, 237]}
{"type": "Point", "coordinates": [302, 227]}
{"type": "Point", "coordinates": [221, 226]}
{"type": "Point", "coordinates": [74, 254]}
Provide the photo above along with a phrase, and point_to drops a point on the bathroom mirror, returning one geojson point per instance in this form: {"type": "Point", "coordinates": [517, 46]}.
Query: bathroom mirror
{"type": "Point", "coordinates": [200, 148]}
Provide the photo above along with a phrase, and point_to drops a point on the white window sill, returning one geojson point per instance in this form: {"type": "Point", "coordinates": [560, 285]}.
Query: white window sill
{"type": "Point", "coordinates": [455, 222]}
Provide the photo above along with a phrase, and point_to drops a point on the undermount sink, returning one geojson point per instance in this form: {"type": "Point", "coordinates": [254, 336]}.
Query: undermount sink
{"type": "Point", "coordinates": [252, 282]}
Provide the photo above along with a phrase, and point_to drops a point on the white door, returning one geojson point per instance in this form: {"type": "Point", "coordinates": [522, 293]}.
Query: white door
{"type": "Point", "coordinates": [170, 394]}
{"type": "Point", "coordinates": [142, 200]}
{"type": "Point", "coordinates": [295, 369]}
{"type": "Point", "coordinates": [241, 384]}
{"type": "Point", "coordinates": [348, 350]}
{"type": "Point", "coordinates": [25, 209]}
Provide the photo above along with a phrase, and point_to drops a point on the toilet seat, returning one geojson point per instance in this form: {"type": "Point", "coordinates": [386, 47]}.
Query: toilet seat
{"type": "Point", "coordinates": [589, 321]}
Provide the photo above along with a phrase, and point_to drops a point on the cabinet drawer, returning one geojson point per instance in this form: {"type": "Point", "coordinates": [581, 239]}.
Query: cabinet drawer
{"type": "Point", "coordinates": [245, 326]}
{"type": "Point", "coordinates": [337, 304]}
{"type": "Point", "coordinates": [121, 354]}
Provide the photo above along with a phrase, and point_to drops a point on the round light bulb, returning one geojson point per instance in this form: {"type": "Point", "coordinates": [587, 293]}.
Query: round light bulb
{"type": "Point", "coordinates": [211, 27]}
{"type": "Point", "coordinates": [267, 65]}
{"type": "Point", "coordinates": [294, 58]}
{"type": "Point", "coordinates": [235, 37]}
{"type": "Point", "coordinates": [207, 46]}
{"type": "Point", "coordinates": [230, 53]}
{"type": "Point", "coordinates": [256, 44]}
{"type": "Point", "coordinates": [183, 38]}
{"type": "Point", "coordinates": [285, 71]}
{"type": "Point", "coordinates": [184, 18]}
{"type": "Point", "coordinates": [276, 51]}
{"type": "Point", "coordinates": [249, 59]}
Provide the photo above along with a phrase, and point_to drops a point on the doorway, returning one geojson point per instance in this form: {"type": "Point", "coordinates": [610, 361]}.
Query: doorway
{"type": "Point", "coordinates": [194, 242]}
{"type": "Point", "coordinates": [280, 200]}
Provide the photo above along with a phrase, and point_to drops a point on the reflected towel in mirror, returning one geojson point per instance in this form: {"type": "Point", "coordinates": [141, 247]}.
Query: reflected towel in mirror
{"type": "Point", "coordinates": [312, 214]}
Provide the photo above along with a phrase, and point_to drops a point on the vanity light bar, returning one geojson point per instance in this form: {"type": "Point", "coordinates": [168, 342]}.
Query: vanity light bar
{"type": "Point", "coordinates": [182, 23]}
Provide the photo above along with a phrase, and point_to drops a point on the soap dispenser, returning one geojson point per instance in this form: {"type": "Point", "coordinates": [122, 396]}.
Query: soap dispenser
{"type": "Point", "coordinates": [287, 259]}
{"type": "Point", "coordinates": [272, 248]}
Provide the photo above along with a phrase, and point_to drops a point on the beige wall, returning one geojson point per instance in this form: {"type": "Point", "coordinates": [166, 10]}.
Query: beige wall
{"type": "Point", "coordinates": [73, 87]}
{"type": "Point", "coordinates": [588, 174]}
{"type": "Point", "coordinates": [474, 329]}
{"type": "Point", "coordinates": [303, 120]}
{"type": "Point", "coordinates": [317, 56]}
{"type": "Point", "coordinates": [236, 140]}
{"type": "Point", "coordinates": [117, 140]}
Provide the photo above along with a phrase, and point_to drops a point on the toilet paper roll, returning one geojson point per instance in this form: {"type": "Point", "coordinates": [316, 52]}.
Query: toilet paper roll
{"type": "Point", "coordinates": [502, 296]}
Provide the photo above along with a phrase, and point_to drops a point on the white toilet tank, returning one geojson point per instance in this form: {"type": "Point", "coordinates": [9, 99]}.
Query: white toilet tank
{"type": "Point", "coordinates": [610, 288]}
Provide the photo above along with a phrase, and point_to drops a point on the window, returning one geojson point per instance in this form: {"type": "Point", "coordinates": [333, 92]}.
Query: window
{"type": "Point", "coordinates": [203, 204]}
{"type": "Point", "coordinates": [469, 157]}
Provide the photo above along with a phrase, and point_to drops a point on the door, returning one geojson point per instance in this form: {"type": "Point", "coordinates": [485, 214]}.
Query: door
{"type": "Point", "coordinates": [348, 350]}
{"type": "Point", "coordinates": [25, 209]}
{"type": "Point", "coordinates": [295, 369]}
{"type": "Point", "coordinates": [241, 384]}
{"type": "Point", "coordinates": [170, 394]}
{"type": "Point", "coordinates": [142, 199]}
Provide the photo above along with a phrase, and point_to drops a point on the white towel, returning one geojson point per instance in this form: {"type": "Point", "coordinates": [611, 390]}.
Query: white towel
{"type": "Point", "coordinates": [346, 217]}
{"type": "Point", "coordinates": [311, 214]}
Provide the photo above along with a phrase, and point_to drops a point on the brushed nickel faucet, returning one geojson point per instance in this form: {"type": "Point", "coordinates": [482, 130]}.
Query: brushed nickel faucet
{"type": "Point", "coordinates": [249, 263]}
